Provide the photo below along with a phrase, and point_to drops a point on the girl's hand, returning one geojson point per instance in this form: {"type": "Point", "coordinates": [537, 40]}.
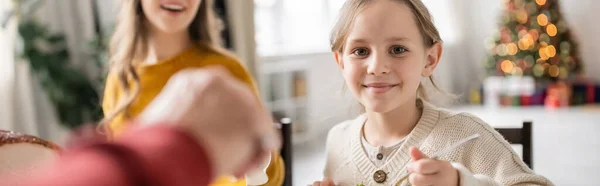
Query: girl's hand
{"type": "Point", "coordinates": [325, 182]}
{"type": "Point", "coordinates": [425, 171]}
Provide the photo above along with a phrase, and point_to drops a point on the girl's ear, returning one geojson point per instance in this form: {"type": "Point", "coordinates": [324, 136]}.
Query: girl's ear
{"type": "Point", "coordinates": [434, 53]}
{"type": "Point", "coordinates": [338, 60]}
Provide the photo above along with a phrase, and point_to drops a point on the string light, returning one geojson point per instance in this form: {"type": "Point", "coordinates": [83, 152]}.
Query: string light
{"type": "Point", "coordinates": [522, 16]}
{"type": "Point", "coordinates": [529, 61]}
{"type": "Point", "coordinates": [507, 66]}
{"type": "Point", "coordinates": [523, 45]}
{"type": "Point", "coordinates": [553, 71]}
{"type": "Point", "coordinates": [489, 43]}
{"type": "Point", "coordinates": [550, 51]}
{"type": "Point", "coordinates": [551, 30]}
{"type": "Point", "coordinates": [542, 20]}
{"type": "Point", "coordinates": [538, 70]}
{"type": "Point", "coordinates": [546, 65]}
{"type": "Point", "coordinates": [522, 33]}
{"type": "Point", "coordinates": [534, 34]}
{"type": "Point", "coordinates": [512, 49]}
{"type": "Point", "coordinates": [563, 73]}
{"type": "Point", "coordinates": [540, 61]}
{"type": "Point", "coordinates": [517, 71]}
{"type": "Point", "coordinates": [501, 50]}
{"type": "Point", "coordinates": [528, 41]}
{"type": "Point", "coordinates": [540, 2]}
{"type": "Point", "coordinates": [543, 53]}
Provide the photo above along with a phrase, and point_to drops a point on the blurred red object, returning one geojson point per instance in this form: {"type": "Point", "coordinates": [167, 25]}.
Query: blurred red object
{"type": "Point", "coordinates": [558, 95]}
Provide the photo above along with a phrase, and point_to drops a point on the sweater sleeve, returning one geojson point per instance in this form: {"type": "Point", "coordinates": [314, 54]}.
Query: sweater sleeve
{"type": "Point", "coordinates": [141, 157]}
{"type": "Point", "coordinates": [469, 179]}
{"type": "Point", "coordinates": [333, 147]}
{"type": "Point", "coordinates": [329, 161]}
{"type": "Point", "coordinates": [490, 160]}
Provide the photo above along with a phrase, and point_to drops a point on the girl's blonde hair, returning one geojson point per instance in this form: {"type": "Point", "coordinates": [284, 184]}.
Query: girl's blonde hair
{"type": "Point", "coordinates": [352, 8]}
{"type": "Point", "coordinates": [129, 42]}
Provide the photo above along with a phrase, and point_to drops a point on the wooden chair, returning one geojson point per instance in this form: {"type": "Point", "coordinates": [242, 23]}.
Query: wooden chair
{"type": "Point", "coordinates": [285, 125]}
{"type": "Point", "coordinates": [523, 137]}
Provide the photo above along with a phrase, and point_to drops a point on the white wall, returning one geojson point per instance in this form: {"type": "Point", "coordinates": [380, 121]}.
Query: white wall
{"type": "Point", "coordinates": [582, 17]}
{"type": "Point", "coordinates": [7, 69]}
{"type": "Point", "coordinates": [108, 10]}
{"type": "Point", "coordinates": [329, 102]}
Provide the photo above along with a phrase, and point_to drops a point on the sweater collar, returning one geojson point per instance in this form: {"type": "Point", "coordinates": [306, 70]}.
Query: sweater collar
{"type": "Point", "coordinates": [397, 163]}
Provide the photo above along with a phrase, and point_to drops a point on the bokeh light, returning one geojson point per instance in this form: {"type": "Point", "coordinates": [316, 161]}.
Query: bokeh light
{"type": "Point", "coordinates": [507, 66]}
{"type": "Point", "coordinates": [540, 2]}
{"type": "Point", "coordinates": [501, 50]}
{"type": "Point", "coordinates": [543, 53]}
{"type": "Point", "coordinates": [551, 30]}
{"type": "Point", "coordinates": [512, 49]}
{"type": "Point", "coordinates": [563, 73]}
{"type": "Point", "coordinates": [538, 70]}
{"type": "Point", "coordinates": [553, 71]}
{"type": "Point", "coordinates": [517, 71]}
{"type": "Point", "coordinates": [550, 51]}
{"type": "Point", "coordinates": [542, 20]}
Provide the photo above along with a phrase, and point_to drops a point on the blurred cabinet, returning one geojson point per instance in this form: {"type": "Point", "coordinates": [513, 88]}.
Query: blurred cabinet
{"type": "Point", "coordinates": [284, 88]}
{"type": "Point", "coordinates": [291, 36]}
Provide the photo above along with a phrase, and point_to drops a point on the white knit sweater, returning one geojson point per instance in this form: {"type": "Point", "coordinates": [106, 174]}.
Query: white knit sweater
{"type": "Point", "coordinates": [489, 160]}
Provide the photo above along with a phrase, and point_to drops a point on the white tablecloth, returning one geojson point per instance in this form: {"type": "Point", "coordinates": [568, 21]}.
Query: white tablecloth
{"type": "Point", "coordinates": [566, 144]}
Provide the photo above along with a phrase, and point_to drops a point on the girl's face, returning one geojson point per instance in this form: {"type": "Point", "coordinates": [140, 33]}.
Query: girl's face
{"type": "Point", "coordinates": [384, 57]}
{"type": "Point", "coordinates": [170, 16]}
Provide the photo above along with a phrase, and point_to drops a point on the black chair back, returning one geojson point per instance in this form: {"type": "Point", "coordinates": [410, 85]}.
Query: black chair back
{"type": "Point", "coordinates": [523, 137]}
{"type": "Point", "coordinates": [285, 125]}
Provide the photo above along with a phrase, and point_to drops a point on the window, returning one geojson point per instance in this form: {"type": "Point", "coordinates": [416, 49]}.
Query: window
{"type": "Point", "coordinates": [287, 27]}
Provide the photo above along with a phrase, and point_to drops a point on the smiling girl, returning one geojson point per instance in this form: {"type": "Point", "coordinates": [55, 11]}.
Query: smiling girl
{"type": "Point", "coordinates": [386, 50]}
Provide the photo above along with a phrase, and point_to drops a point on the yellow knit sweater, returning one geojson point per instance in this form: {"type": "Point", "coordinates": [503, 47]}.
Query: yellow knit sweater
{"type": "Point", "coordinates": [154, 77]}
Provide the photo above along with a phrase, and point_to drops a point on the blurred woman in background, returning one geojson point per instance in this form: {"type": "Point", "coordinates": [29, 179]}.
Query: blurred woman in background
{"type": "Point", "coordinates": [153, 40]}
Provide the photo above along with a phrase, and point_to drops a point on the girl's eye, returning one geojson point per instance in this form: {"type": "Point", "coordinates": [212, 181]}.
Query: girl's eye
{"type": "Point", "coordinates": [360, 52]}
{"type": "Point", "coordinates": [397, 50]}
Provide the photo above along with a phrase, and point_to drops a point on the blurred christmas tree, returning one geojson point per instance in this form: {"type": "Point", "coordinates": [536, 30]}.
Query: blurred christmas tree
{"type": "Point", "coordinates": [533, 40]}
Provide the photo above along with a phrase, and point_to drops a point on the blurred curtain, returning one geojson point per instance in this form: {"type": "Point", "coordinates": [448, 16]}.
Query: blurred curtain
{"type": "Point", "coordinates": [25, 107]}
{"type": "Point", "coordinates": [7, 69]}
{"type": "Point", "coordinates": [76, 20]}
